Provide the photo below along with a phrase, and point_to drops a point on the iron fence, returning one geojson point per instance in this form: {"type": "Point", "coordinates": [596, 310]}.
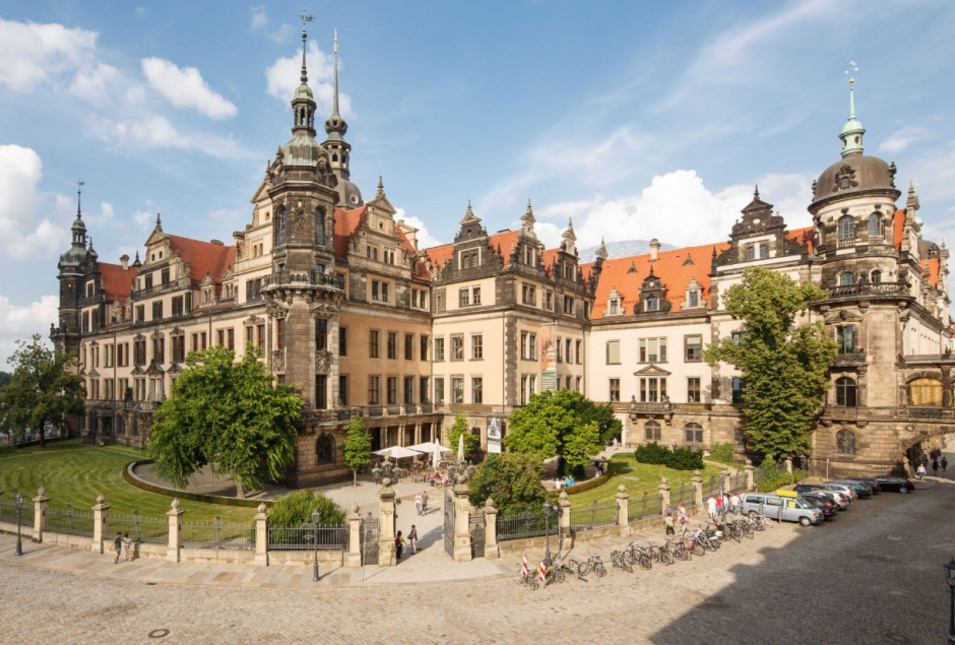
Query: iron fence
{"type": "Point", "coordinates": [69, 521]}
{"type": "Point", "coordinates": [736, 482]}
{"type": "Point", "coordinates": [682, 494]}
{"type": "Point", "coordinates": [525, 525]}
{"type": "Point", "coordinates": [325, 537]}
{"type": "Point", "coordinates": [592, 516]}
{"type": "Point", "coordinates": [232, 536]}
{"type": "Point", "coordinates": [646, 506]}
{"type": "Point", "coordinates": [711, 486]}
{"type": "Point", "coordinates": [760, 473]}
{"type": "Point", "coordinates": [141, 529]}
{"type": "Point", "coordinates": [369, 539]}
{"type": "Point", "coordinates": [8, 511]}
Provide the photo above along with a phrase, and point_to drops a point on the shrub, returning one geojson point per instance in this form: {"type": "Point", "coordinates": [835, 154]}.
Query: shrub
{"type": "Point", "coordinates": [512, 480]}
{"type": "Point", "coordinates": [651, 453]}
{"type": "Point", "coordinates": [295, 508]}
{"type": "Point", "coordinates": [722, 452]}
{"type": "Point", "coordinates": [678, 459]}
{"type": "Point", "coordinates": [778, 480]}
{"type": "Point", "coordinates": [7, 449]}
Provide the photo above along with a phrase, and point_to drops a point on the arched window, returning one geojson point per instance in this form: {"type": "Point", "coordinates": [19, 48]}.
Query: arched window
{"type": "Point", "coordinates": [847, 228]}
{"type": "Point", "coordinates": [845, 392]}
{"type": "Point", "coordinates": [845, 442]}
{"type": "Point", "coordinates": [876, 276]}
{"type": "Point", "coordinates": [750, 252]}
{"type": "Point", "coordinates": [845, 279]}
{"type": "Point", "coordinates": [325, 449]}
{"type": "Point", "coordinates": [693, 433]}
{"type": "Point", "coordinates": [763, 251]}
{"type": "Point", "coordinates": [875, 225]}
{"type": "Point", "coordinates": [652, 430]}
{"type": "Point", "coordinates": [924, 392]}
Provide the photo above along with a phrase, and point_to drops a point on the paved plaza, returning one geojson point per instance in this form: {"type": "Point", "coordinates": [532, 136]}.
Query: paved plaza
{"type": "Point", "coordinates": [873, 575]}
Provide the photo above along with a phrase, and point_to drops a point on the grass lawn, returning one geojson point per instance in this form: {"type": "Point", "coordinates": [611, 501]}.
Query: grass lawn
{"type": "Point", "coordinates": [73, 473]}
{"type": "Point", "coordinates": [637, 478]}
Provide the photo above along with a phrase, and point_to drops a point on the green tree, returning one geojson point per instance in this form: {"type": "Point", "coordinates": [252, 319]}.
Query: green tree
{"type": "Point", "coordinates": [43, 389]}
{"type": "Point", "coordinates": [784, 368]}
{"type": "Point", "coordinates": [5, 379]}
{"type": "Point", "coordinates": [460, 428]}
{"type": "Point", "coordinates": [512, 480]}
{"type": "Point", "coordinates": [552, 424]}
{"type": "Point", "coordinates": [295, 508]}
{"type": "Point", "coordinates": [356, 447]}
{"type": "Point", "coordinates": [227, 414]}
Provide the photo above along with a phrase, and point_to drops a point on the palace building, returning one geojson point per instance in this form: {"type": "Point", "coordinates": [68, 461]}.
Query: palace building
{"type": "Point", "coordinates": [340, 301]}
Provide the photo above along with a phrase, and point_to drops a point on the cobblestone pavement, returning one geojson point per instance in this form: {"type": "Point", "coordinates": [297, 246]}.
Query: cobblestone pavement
{"type": "Point", "coordinates": [872, 576]}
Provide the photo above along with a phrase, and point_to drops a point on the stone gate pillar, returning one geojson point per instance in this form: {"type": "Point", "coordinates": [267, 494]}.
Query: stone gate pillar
{"type": "Point", "coordinates": [698, 490]}
{"type": "Point", "coordinates": [750, 477]}
{"type": "Point", "coordinates": [491, 550]}
{"type": "Point", "coordinates": [386, 524]}
{"type": "Point", "coordinates": [174, 546]}
{"type": "Point", "coordinates": [353, 557]}
{"type": "Point", "coordinates": [623, 509]}
{"type": "Point", "coordinates": [564, 504]}
{"type": "Point", "coordinates": [40, 504]}
{"type": "Point", "coordinates": [664, 489]}
{"type": "Point", "coordinates": [100, 515]}
{"type": "Point", "coordinates": [462, 519]}
{"type": "Point", "coordinates": [262, 536]}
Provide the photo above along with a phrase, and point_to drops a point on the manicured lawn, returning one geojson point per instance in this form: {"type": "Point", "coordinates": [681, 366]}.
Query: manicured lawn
{"type": "Point", "coordinates": [638, 478]}
{"type": "Point", "coordinates": [73, 473]}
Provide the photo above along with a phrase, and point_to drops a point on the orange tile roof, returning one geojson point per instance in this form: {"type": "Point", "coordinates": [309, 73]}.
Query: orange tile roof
{"type": "Point", "coordinates": [898, 227]}
{"type": "Point", "coordinates": [797, 235]}
{"type": "Point", "coordinates": [203, 257]}
{"type": "Point", "coordinates": [420, 271]}
{"type": "Point", "coordinates": [116, 282]}
{"type": "Point", "coordinates": [346, 223]}
{"type": "Point", "coordinates": [503, 241]}
{"type": "Point", "coordinates": [931, 265]}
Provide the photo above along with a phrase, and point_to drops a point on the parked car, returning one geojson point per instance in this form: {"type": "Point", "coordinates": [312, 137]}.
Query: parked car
{"type": "Point", "coordinates": [842, 500]}
{"type": "Point", "coordinates": [871, 483]}
{"type": "Point", "coordinates": [777, 507]}
{"type": "Point", "coordinates": [844, 489]}
{"type": "Point", "coordinates": [900, 484]}
{"type": "Point", "coordinates": [826, 497]}
{"type": "Point", "coordinates": [861, 489]}
{"type": "Point", "coordinates": [824, 504]}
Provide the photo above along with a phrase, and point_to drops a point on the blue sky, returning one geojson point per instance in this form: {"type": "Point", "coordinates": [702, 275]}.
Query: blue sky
{"type": "Point", "coordinates": [637, 119]}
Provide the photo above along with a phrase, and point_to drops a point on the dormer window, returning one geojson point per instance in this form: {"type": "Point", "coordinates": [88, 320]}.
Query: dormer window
{"type": "Point", "coordinates": [750, 253]}
{"type": "Point", "coordinates": [652, 304]}
{"type": "Point", "coordinates": [614, 306]}
{"type": "Point", "coordinates": [694, 299]}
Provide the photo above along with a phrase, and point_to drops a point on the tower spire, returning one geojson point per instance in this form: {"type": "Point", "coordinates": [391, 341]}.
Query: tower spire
{"type": "Point", "coordinates": [79, 192]}
{"type": "Point", "coordinates": [303, 102]}
{"type": "Point", "coordinates": [335, 98]}
{"type": "Point", "coordinates": [338, 149]}
{"type": "Point", "coordinates": [852, 131]}
{"type": "Point", "coordinates": [305, 18]}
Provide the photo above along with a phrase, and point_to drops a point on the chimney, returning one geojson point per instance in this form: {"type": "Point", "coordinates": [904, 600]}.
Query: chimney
{"type": "Point", "coordinates": [654, 249]}
{"type": "Point", "coordinates": [124, 260]}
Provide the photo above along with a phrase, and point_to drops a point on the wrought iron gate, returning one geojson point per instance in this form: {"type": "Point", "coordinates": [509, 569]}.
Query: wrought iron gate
{"type": "Point", "coordinates": [476, 527]}
{"type": "Point", "coordinates": [448, 522]}
{"type": "Point", "coordinates": [369, 540]}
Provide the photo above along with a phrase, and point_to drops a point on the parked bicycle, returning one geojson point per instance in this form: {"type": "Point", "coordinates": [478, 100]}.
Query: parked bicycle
{"type": "Point", "coordinates": [658, 554]}
{"type": "Point", "coordinates": [638, 555]}
{"type": "Point", "coordinates": [619, 561]}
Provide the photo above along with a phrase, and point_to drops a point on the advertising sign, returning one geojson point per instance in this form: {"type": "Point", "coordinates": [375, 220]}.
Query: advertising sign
{"type": "Point", "coordinates": [494, 434]}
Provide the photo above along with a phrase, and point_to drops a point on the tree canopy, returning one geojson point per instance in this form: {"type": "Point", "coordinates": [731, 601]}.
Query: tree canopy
{"type": "Point", "coordinates": [562, 424]}
{"type": "Point", "coordinates": [512, 480]}
{"type": "Point", "coordinates": [230, 415]}
{"type": "Point", "coordinates": [355, 449]}
{"type": "Point", "coordinates": [459, 429]}
{"type": "Point", "coordinates": [296, 508]}
{"type": "Point", "coordinates": [43, 389]}
{"type": "Point", "coordinates": [784, 368]}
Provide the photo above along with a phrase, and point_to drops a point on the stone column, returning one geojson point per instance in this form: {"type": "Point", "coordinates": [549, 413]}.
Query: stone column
{"type": "Point", "coordinates": [175, 531]}
{"type": "Point", "coordinates": [664, 489]}
{"type": "Point", "coordinates": [262, 536]}
{"type": "Point", "coordinates": [386, 524]}
{"type": "Point", "coordinates": [462, 513]}
{"type": "Point", "coordinates": [623, 509]}
{"type": "Point", "coordinates": [40, 504]}
{"type": "Point", "coordinates": [491, 550]}
{"type": "Point", "coordinates": [789, 466]}
{"type": "Point", "coordinates": [353, 558]}
{"type": "Point", "coordinates": [564, 504]}
{"type": "Point", "coordinates": [100, 514]}
{"type": "Point", "coordinates": [750, 477]}
{"type": "Point", "coordinates": [697, 489]}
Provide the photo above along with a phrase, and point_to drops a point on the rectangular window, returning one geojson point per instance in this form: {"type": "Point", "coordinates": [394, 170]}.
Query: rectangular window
{"type": "Point", "coordinates": [392, 390]}
{"type": "Point", "coordinates": [157, 310]}
{"type": "Point", "coordinates": [549, 300]}
{"type": "Point", "coordinates": [531, 385]}
{"type": "Point", "coordinates": [140, 316]}
{"type": "Point", "coordinates": [613, 352]}
{"type": "Point", "coordinates": [457, 389]}
{"type": "Point", "coordinates": [343, 390]}
{"type": "Point", "coordinates": [321, 334]}
{"type": "Point", "coordinates": [528, 294]}
{"type": "Point", "coordinates": [476, 295]}
{"type": "Point", "coordinates": [230, 338]}
{"type": "Point", "coordinates": [737, 337]}
{"type": "Point", "coordinates": [569, 305]}
{"type": "Point", "coordinates": [737, 389]}
{"type": "Point", "coordinates": [653, 350]}
{"type": "Point", "coordinates": [477, 347]}
{"type": "Point", "coordinates": [438, 349]}
{"type": "Point", "coordinates": [567, 347]}
{"type": "Point", "coordinates": [375, 290]}
{"type": "Point", "coordinates": [423, 389]}
{"type": "Point", "coordinates": [523, 390]}
{"type": "Point", "coordinates": [220, 338]}
{"type": "Point", "coordinates": [249, 335]}
{"type": "Point", "coordinates": [694, 299]}
{"type": "Point", "coordinates": [159, 350]}
{"type": "Point", "coordinates": [343, 341]}
{"type": "Point", "coordinates": [392, 345]}
{"type": "Point", "coordinates": [845, 339]}
{"type": "Point", "coordinates": [577, 382]}
{"type": "Point", "coordinates": [195, 342]}
{"type": "Point", "coordinates": [693, 390]}
{"type": "Point", "coordinates": [177, 306]}
{"type": "Point", "coordinates": [373, 349]}
{"type": "Point", "coordinates": [409, 347]}
{"type": "Point", "coordinates": [464, 297]}
{"type": "Point", "coordinates": [280, 334]}
{"type": "Point", "coordinates": [614, 389]}
{"type": "Point", "coordinates": [409, 390]}
{"type": "Point", "coordinates": [384, 291]}
{"type": "Point", "coordinates": [532, 347]}
{"type": "Point", "coordinates": [438, 389]}
{"type": "Point", "coordinates": [139, 349]}
{"type": "Point", "coordinates": [524, 344]}
{"type": "Point", "coordinates": [374, 390]}
{"type": "Point", "coordinates": [457, 347]}
{"type": "Point", "coordinates": [694, 349]}
{"type": "Point", "coordinates": [578, 353]}
{"type": "Point", "coordinates": [321, 391]}
{"type": "Point", "coordinates": [559, 354]}
{"type": "Point", "coordinates": [178, 349]}
{"type": "Point", "coordinates": [203, 340]}
{"type": "Point", "coordinates": [653, 389]}
{"type": "Point", "coordinates": [693, 433]}
{"type": "Point", "coordinates": [477, 389]}
{"type": "Point", "coordinates": [423, 341]}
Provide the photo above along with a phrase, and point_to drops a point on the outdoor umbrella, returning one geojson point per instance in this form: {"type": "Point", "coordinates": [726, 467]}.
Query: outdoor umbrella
{"type": "Point", "coordinates": [396, 452]}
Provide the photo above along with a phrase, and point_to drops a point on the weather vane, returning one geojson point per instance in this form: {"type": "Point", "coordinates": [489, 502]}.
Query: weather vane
{"type": "Point", "coordinates": [305, 18]}
{"type": "Point", "coordinates": [851, 69]}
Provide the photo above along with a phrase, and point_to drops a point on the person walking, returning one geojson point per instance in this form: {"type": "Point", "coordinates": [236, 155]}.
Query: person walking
{"type": "Point", "coordinates": [127, 545]}
{"type": "Point", "coordinates": [424, 502]}
{"type": "Point", "coordinates": [399, 544]}
{"type": "Point", "coordinates": [413, 539]}
{"type": "Point", "coordinates": [711, 508]}
{"type": "Point", "coordinates": [944, 464]}
{"type": "Point", "coordinates": [417, 503]}
{"type": "Point", "coordinates": [681, 517]}
{"type": "Point", "coordinates": [921, 472]}
{"type": "Point", "coordinates": [935, 467]}
{"type": "Point", "coordinates": [118, 546]}
{"type": "Point", "coordinates": [734, 504]}
{"type": "Point", "coordinates": [668, 520]}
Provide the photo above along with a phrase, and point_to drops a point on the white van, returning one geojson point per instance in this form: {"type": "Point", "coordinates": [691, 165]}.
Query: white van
{"type": "Point", "coordinates": [779, 508]}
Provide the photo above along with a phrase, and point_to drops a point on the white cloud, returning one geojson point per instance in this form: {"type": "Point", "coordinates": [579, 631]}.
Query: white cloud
{"type": "Point", "coordinates": [901, 138]}
{"type": "Point", "coordinates": [261, 22]}
{"type": "Point", "coordinates": [34, 55]}
{"type": "Point", "coordinates": [93, 85]}
{"type": "Point", "coordinates": [284, 76]}
{"type": "Point", "coordinates": [259, 18]}
{"type": "Point", "coordinates": [20, 322]}
{"type": "Point", "coordinates": [425, 239]}
{"type": "Point", "coordinates": [20, 172]}
{"type": "Point", "coordinates": [158, 132]}
{"type": "Point", "coordinates": [185, 88]}
{"type": "Point", "coordinates": [144, 220]}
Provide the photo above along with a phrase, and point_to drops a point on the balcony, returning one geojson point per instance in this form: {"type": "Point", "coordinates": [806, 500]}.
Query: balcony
{"type": "Point", "coordinates": [867, 289]}
{"type": "Point", "coordinates": [308, 278]}
{"type": "Point", "coordinates": [851, 359]}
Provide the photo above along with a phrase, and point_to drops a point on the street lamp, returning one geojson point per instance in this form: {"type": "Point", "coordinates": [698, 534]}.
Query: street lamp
{"type": "Point", "coordinates": [722, 494]}
{"type": "Point", "coordinates": [315, 518]}
{"type": "Point", "coordinates": [548, 509]}
{"type": "Point", "coordinates": [19, 500]}
{"type": "Point", "coordinates": [950, 571]}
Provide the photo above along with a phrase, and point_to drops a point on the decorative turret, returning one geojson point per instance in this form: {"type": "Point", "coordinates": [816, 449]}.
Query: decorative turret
{"type": "Point", "coordinates": [77, 252]}
{"type": "Point", "coordinates": [569, 239]}
{"type": "Point", "coordinates": [528, 221]}
{"type": "Point", "coordinates": [602, 253]}
{"type": "Point", "coordinates": [852, 131]}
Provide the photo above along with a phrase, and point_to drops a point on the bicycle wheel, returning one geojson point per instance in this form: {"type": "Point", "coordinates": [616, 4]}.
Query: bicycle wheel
{"type": "Point", "coordinates": [532, 584]}
{"type": "Point", "coordinates": [645, 561]}
{"type": "Point", "coordinates": [666, 558]}
{"type": "Point", "coordinates": [628, 557]}
{"type": "Point", "coordinates": [680, 552]}
{"type": "Point", "coordinates": [768, 522]}
{"type": "Point", "coordinates": [698, 547]}
{"type": "Point", "coordinates": [583, 569]}
{"type": "Point", "coordinates": [600, 569]}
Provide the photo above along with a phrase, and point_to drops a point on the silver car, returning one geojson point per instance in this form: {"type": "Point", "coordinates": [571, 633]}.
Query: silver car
{"type": "Point", "coordinates": [782, 509]}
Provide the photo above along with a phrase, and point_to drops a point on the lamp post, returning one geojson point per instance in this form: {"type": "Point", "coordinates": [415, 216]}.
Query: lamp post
{"type": "Point", "coordinates": [722, 494]}
{"type": "Point", "coordinates": [548, 509]}
{"type": "Point", "coordinates": [950, 572]}
{"type": "Point", "coordinates": [803, 459]}
{"type": "Point", "coordinates": [19, 501]}
{"type": "Point", "coordinates": [315, 518]}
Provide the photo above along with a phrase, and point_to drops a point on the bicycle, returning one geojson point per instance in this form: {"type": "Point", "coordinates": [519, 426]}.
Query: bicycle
{"type": "Point", "coordinates": [677, 550]}
{"type": "Point", "coordinates": [659, 555]}
{"type": "Point", "coordinates": [761, 520]}
{"type": "Point", "coordinates": [592, 564]}
{"type": "Point", "coordinates": [552, 573]}
{"type": "Point", "coordinates": [528, 579]}
{"type": "Point", "coordinates": [619, 561]}
{"type": "Point", "coordinates": [637, 555]}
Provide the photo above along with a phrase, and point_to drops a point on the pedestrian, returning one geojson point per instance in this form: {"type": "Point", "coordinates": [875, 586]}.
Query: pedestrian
{"type": "Point", "coordinates": [734, 504]}
{"type": "Point", "coordinates": [127, 545]}
{"type": "Point", "coordinates": [413, 539]}
{"type": "Point", "coordinates": [713, 507]}
{"type": "Point", "coordinates": [681, 518]}
{"type": "Point", "coordinates": [668, 519]}
{"type": "Point", "coordinates": [424, 502]}
{"type": "Point", "coordinates": [935, 467]}
{"type": "Point", "coordinates": [725, 508]}
{"type": "Point", "coordinates": [921, 471]}
{"type": "Point", "coordinates": [944, 464]}
{"type": "Point", "coordinates": [417, 503]}
{"type": "Point", "coordinates": [614, 443]}
{"type": "Point", "coordinates": [399, 543]}
{"type": "Point", "coordinates": [118, 546]}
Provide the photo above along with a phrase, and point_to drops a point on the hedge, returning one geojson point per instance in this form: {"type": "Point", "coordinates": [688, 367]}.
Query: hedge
{"type": "Point", "coordinates": [588, 485]}
{"type": "Point", "coordinates": [181, 494]}
{"type": "Point", "coordinates": [678, 458]}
